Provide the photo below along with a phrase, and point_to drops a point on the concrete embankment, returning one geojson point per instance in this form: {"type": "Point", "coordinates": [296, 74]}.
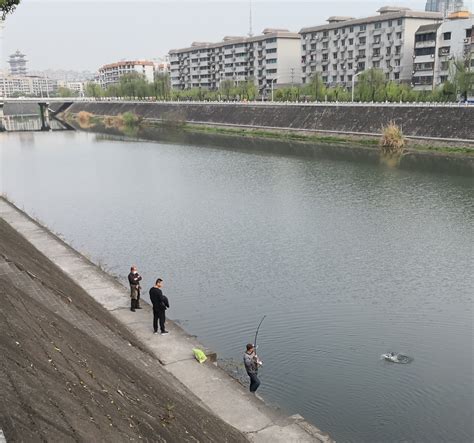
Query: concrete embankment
{"type": "Point", "coordinates": [80, 366]}
{"type": "Point", "coordinates": [442, 123]}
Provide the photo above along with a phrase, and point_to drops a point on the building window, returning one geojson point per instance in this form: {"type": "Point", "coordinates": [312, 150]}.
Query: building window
{"type": "Point", "coordinates": [325, 45]}
{"type": "Point", "coordinates": [399, 21]}
{"type": "Point", "coordinates": [398, 50]}
{"type": "Point", "coordinates": [376, 52]}
{"type": "Point", "coordinates": [325, 57]}
{"type": "Point", "coordinates": [362, 40]}
{"type": "Point", "coordinates": [325, 68]}
{"type": "Point", "coordinates": [334, 55]}
{"type": "Point", "coordinates": [325, 33]}
{"type": "Point", "coordinates": [389, 50]}
{"type": "Point", "coordinates": [445, 50]}
{"type": "Point", "coordinates": [336, 31]}
{"type": "Point", "coordinates": [399, 35]}
{"type": "Point", "coordinates": [362, 27]}
{"type": "Point", "coordinates": [446, 36]}
{"type": "Point", "coordinates": [349, 66]}
{"type": "Point", "coordinates": [334, 67]}
{"type": "Point", "coordinates": [350, 54]}
{"type": "Point", "coordinates": [342, 78]}
{"type": "Point", "coordinates": [361, 52]}
{"type": "Point", "coordinates": [361, 66]}
{"type": "Point", "coordinates": [376, 64]}
{"type": "Point", "coordinates": [469, 33]}
{"type": "Point", "coordinates": [377, 40]}
{"type": "Point", "coordinates": [351, 41]}
{"type": "Point", "coordinates": [390, 23]}
{"type": "Point", "coordinates": [343, 30]}
{"type": "Point", "coordinates": [444, 66]}
{"type": "Point", "coordinates": [351, 29]}
{"type": "Point", "coordinates": [378, 25]}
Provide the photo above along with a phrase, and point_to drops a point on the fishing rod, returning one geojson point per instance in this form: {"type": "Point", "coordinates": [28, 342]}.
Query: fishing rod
{"type": "Point", "coordinates": [256, 333]}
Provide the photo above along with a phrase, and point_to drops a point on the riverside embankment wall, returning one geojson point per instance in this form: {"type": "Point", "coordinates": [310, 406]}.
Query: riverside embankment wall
{"type": "Point", "coordinates": [416, 121]}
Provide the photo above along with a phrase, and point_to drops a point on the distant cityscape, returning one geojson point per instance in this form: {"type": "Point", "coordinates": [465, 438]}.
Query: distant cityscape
{"type": "Point", "coordinates": [410, 47]}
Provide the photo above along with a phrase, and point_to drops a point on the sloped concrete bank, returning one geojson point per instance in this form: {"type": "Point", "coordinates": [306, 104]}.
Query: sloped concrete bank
{"type": "Point", "coordinates": [445, 123]}
{"type": "Point", "coordinates": [215, 390]}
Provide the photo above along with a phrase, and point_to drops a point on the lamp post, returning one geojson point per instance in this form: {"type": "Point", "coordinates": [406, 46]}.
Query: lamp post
{"type": "Point", "coordinates": [272, 83]}
{"type": "Point", "coordinates": [353, 83]}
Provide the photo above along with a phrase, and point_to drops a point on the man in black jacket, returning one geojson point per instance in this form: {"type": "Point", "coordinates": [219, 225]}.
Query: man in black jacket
{"type": "Point", "coordinates": [134, 279]}
{"type": "Point", "coordinates": [160, 304]}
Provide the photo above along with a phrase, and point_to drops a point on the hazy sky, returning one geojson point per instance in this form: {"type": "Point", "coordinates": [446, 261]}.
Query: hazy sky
{"type": "Point", "coordinates": [79, 35]}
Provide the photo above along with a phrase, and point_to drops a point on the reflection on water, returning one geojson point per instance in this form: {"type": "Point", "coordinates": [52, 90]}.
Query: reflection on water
{"type": "Point", "coordinates": [29, 123]}
{"type": "Point", "coordinates": [348, 259]}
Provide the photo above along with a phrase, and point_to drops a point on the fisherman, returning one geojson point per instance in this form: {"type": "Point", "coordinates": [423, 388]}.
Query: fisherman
{"type": "Point", "coordinates": [134, 279]}
{"type": "Point", "coordinates": [251, 363]}
{"type": "Point", "coordinates": [160, 304]}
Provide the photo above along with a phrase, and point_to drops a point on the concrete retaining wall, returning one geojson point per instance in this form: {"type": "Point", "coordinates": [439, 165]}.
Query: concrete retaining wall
{"type": "Point", "coordinates": [416, 121]}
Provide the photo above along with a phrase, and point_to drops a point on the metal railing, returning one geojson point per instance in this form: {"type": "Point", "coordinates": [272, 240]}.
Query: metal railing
{"type": "Point", "coordinates": [235, 102]}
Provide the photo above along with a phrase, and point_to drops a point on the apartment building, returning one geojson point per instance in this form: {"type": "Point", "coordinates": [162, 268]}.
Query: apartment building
{"type": "Point", "coordinates": [272, 58]}
{"type": "Point", "coordinates": [346, 46]}
{"type": "Point", "coordinates": [110, 74]}
{"type": "Point", "coordinates": [444, 6]}
{"type": "Point", "coordinates": [437, 46]}
{"type": "Point", "coordinates": [31, 86]}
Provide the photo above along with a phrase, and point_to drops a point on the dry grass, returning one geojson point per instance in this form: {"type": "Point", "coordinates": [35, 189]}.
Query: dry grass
{"type": "Point", "coordinates": [84, 119]}
{"type": "Point", "coordinates": [393, 142]}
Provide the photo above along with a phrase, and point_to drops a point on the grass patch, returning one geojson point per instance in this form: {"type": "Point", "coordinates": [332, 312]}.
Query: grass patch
{"type": "Point", "coordinates": [393, 141]}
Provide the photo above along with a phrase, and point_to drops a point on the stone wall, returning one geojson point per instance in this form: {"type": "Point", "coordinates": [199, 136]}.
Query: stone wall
{"type": "Point", "coordinates": [419, 121]}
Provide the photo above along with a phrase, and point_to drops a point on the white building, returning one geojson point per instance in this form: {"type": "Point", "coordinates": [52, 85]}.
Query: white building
{"type": "Point", "coordinates": [31, 86]}
{"type": "Point", "coordinates": [110, 74]}
{"type": "Point", "coordinates": [73, 86]}
{"type": "Point", "coordinates": [437, 46]}
{"type": "Point", "coordinates": [273, 57]}
{"type": "Point", "coordinates": [346, 46]}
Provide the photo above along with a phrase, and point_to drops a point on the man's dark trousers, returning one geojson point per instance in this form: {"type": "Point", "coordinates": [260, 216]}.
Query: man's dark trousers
{"type": "Point", "coordinates": [159, 315]}
{"type": "Point", "coordinates": [254, 382]}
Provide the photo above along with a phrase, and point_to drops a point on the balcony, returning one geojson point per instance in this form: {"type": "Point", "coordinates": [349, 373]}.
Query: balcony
{"type": "Point", "coordinates": [426, 44]}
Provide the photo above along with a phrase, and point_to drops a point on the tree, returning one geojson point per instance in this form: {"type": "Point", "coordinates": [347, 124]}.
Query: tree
{"type": "Point", "coordinates": [226, 88]}
{"type": "Point", "coordinates": [66, 92]}
{"type": "Point", "coordinates": [162, 86]}
{"type": "Point", "coordinates": [7, 7]}
{"type": "Point", "coordinates": [94, 90]}
{"type": "Point", "coordinates": [463, 77]}
{"type": "Point", "coordinates": [371, 85]}
{"type": "Point", "coordinates": [317, 88]}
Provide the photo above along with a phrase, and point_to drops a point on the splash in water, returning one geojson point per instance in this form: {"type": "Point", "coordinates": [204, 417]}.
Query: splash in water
{"type": "Point", "coordinates": [396, 357]}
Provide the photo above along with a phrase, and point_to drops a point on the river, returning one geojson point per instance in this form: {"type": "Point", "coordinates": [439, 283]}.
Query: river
{"type": "Point", "coordinates": [347, 259]}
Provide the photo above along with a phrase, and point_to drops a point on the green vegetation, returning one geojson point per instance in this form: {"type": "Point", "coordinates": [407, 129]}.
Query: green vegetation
{"type": "Point", "coordinates": [326, 139]}
{"type": "Point", "coordinates": [370, 86]}
{"type": "Point", "coordinates": [66, 92]}
{"type": "Point", "coordinates": [7, 7]}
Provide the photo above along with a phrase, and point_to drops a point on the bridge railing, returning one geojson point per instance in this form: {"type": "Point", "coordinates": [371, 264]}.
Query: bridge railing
{"type": "Point", "coordinates": [237, 102]}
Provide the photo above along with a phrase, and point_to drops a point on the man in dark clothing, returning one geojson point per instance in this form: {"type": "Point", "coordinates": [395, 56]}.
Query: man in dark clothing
{"type": "Point", "coordinates": [134, 279]}
{"type": "Point", "coordinates": [160, 304]}
{"type": "Point", "coordinates": [251, 363]}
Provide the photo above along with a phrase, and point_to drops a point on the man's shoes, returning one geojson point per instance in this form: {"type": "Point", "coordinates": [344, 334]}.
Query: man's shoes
{"type": "Point", "coordinates": [164, 332]}
{"type": "Point", "coordinates": [156, 332]}
{"type": "Point", "coordinates": [132, 309]}
{"type": "Point", "coordinates": [138, 307]}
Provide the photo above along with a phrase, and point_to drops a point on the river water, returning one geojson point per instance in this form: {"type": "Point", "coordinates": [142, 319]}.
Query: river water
{"type": "Point", "coordinates": [347, 260]}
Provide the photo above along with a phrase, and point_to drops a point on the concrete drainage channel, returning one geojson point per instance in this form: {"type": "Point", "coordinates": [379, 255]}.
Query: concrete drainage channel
{"type": "Point", "coordinates": [222, 395]}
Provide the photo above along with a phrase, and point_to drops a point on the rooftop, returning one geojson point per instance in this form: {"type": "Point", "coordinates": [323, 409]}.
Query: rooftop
{"type": "Point", "coordinates": [232, 40]}
{"type": "Point", "coordinates": [385, 13]}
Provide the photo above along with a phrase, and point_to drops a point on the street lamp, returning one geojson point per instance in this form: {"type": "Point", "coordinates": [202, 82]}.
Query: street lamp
{"type": "Point", "coordinates": [353, 83]}
{"type": "Point", "coordinates": [272, 83]}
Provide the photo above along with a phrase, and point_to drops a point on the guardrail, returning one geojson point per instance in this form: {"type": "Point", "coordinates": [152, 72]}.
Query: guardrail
{"type": "Point", "coordinates": [235, 102]}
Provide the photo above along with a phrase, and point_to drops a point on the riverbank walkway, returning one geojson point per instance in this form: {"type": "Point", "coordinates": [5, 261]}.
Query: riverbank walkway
{"type": "Point", "coordinates": [215, 389]}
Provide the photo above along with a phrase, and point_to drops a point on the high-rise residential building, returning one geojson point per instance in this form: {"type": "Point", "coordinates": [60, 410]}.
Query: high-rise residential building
{"type": "Point", "coordinates": [270, 59]}
{"type": "Point", "coordinates": [345, 46]}
{"type": "Point", "coordinates": [17, 62]}
{"type": "Point", "coordinates": [437, 46]}
{"type": "Point", "coordinates": [444, 6]}
{"type": "Point", "coordinates": [21, 85]}
{"type": "Point", "coordinates": [110, 74]}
